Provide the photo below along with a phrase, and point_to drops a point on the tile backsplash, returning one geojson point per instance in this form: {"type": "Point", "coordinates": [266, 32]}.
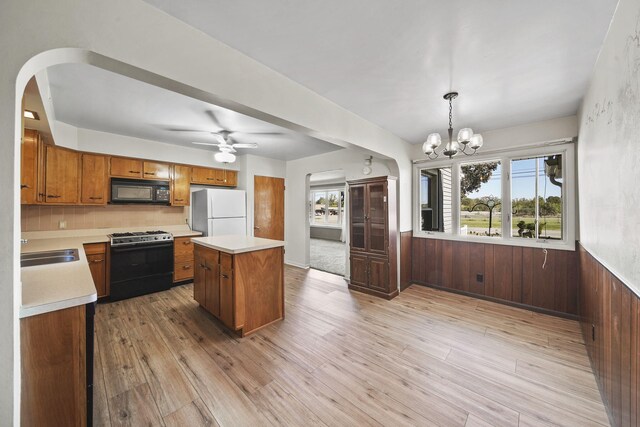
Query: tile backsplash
{"type": "Point", "coordinates": [45, 218]}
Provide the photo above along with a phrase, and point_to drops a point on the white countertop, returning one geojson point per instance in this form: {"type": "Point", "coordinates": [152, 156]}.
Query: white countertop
{"type": "Point", "coordinates": [52, 287]}
{"type": "Point", "coordinates": [237, 244]}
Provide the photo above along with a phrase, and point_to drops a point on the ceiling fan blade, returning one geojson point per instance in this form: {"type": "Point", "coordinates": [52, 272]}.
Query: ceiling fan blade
{"type": "Point", "coordinates": [262, 133]}
{"type": "Point", "coordinates": [244, 145]}
{"type": "Point", "coordinates": [214, 119]}
{"type": "Point", "coordinates": [177, 129]}
{"type": "Point", "coordinates": [213, 144]}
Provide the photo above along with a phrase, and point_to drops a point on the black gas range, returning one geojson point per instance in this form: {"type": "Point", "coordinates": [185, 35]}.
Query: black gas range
{"type": "Point", "coordinates": [141, 263]}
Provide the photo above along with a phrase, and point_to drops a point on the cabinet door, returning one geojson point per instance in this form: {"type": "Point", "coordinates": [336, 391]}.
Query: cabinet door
{"type": "Point", "coordinates": [220, 175]}
{"type": "Point", "coordinates": [97, 265]}
{"type": "Point", "coordinates": [199, 277]}
{"type": "Point", "coordinates": [375, 219]}
{"type": "Point", "coordinates": [227, 291]}
{"type": "Point", "coordinates": [181, 185]}
{"type": "Point", "coordinates": [93, 190]}
{"type": "Point", "coordinates": [359, 270]}
{"type": "Point", "coordinates": [357, 195]}
{"type": "Point", "coordinates": [155, 170]}
{"type": "Point", "coordinates": [62, 172]}
{"type": "Point", "coordinates": [204, 176]}
{"type": "Point", "coordinates": [231, 178]}
{"type": "Point", "coordinates": [29, 167]}
{"type": "Point", "coordinates": [125, 168]}
{"type": "Point", "coordinates": [212, 297]}
{"type": "Point", "coordinates": [379, 274]}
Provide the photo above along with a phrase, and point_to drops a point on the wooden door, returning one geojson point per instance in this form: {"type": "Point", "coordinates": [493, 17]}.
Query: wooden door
{"type": "Point", "coordinates": [199, 277]}
{"type": "Point", "coordinates": [359, 270]}
{"type": "Point", "coordinates": [212, 295]}
{"type": "Point", "coordinates": [226, 290]}
{"type": "Point", "coordinates": [181, 186]}
{"type": "Point", "coordinates": [375, 218]}
{"type": "Point", "coordinates": [357, 203]}
{"type": "Point", "coordinates": [155, 170]}
{"type": "Point", "coordinates": [29, 167]}
{"type": "Point", "coordinates": [93, 190]}
{"type": "Point", "coordinates": [379, 274]}
{"type": "Point", "coordinates": [62, 172]}
{"type": "Point", "coordinates": [126, 168]}
{"type": "Point", "coordinates": [268, 207]}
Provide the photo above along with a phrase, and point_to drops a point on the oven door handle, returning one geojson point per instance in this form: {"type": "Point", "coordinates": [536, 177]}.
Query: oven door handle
{"type": "Point", "coordinates": [137, 247]}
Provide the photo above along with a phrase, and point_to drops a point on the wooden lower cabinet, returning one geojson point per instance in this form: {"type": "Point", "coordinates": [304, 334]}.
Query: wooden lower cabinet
{"type": "Point", "coordinates": [97, 259]}
{"type": "Point", "coordinates": [244, 291]}
{"type": "Point", "coordinates": [54, 368]}
{"type": "Point", "coordinates": [371, 274]}
{"type": "Point", "coordinates": [184, 262]}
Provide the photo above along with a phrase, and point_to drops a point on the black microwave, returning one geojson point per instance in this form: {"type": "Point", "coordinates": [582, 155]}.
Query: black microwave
{"type": "Point", "coordinates": [139, 191]}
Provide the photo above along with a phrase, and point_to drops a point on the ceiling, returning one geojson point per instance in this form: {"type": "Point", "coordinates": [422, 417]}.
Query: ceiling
{"type": "Point", "coordinates": [390, 62]}
{"type": "Point", "coordinates": [92, 98]}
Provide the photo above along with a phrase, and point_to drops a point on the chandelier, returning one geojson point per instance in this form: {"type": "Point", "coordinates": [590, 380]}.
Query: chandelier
{"type": "Point", "coordinates": [466, 138]}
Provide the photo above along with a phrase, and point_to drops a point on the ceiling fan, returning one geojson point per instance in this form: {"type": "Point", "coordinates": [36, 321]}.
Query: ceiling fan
{"type": "Point", "coordinates": [225, 141]}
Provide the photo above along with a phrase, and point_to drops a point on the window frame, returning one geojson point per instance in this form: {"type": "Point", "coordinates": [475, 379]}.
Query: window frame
{"type": "Point", "coordinates": [566, 149]}
{"type": "Point", "coordinates": [326, 191]}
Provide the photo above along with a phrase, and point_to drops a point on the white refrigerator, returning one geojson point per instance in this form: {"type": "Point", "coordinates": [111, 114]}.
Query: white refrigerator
{"type": "Point", "coordinates": [217, 212]}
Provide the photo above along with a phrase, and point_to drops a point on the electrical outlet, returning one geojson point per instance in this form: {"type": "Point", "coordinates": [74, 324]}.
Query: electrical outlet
{"type": "Point", "coordinates": [62, 224]}
{"type": "Point", "coordinates": [479, 278]}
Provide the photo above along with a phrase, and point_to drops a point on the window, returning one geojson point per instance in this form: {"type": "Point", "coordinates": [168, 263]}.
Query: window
{"type": "Point", "coordinates": [480, 200]}
{"type": "Point", "coordinates": [524, 197]}
{"type": "Point", "coordinates": [536, 197]}
{"type": "Point", "coordinates": [328, 207]}
{"type": "Point", "coordinates": [435, 200]}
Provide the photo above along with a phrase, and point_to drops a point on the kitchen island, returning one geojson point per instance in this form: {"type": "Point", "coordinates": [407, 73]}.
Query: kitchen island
{"type": "Point", "coordinates": [240, 280]}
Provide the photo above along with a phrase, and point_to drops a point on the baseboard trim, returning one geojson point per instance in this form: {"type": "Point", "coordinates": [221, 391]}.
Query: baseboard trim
{"type": "Point", "coordinates": [295, 264]}
{"type": "Point", "coordinates": [368, 291]}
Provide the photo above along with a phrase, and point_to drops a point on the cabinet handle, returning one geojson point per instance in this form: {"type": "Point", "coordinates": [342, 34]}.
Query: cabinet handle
{"type": "Point", "coordinates": [224, 276]}
{"type": "Point", "coordinates": [186, 267]}
{"type": "Point", "coordinates": [149, 173]}
{"type": "Point", "coordinates": [134, 171]}
{"type": "Point", "coordinates": [218, 179]}
{"type": "Point", "coordinates": [50, 196]}
{"type": "Point", "coordinates": [186, 243]}
{"type": "Point", "coordinates": [95, 198]}
{"type": "Point", "coordinates": [95, 261]}
{"type": "Point", "coordinates": [41, 194]}
{"type": "Point", "coordinates": [211, 179]}
{"type": "Point", "coordinates": [178, 200]}
{"type": "Point", "coordinates": [24, 186]}
{"type": "Point", "coordinates": [203, 266]}
{"type": "Point", "coordinates": [256, 228]}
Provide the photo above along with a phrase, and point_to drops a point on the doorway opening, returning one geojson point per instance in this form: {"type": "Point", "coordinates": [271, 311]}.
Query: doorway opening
{"type": "Point", "coordinates": [328, 221]}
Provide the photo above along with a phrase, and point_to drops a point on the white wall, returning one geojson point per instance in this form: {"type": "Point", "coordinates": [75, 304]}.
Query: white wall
{"type": "Point", "coordinates": [296, 229]}
{"type": "Point", "coordinates": [111, 143]}
{"type": "Point", "coordinates": [609, 151]}
{"type": "Point", "coordinates": [524, 135]}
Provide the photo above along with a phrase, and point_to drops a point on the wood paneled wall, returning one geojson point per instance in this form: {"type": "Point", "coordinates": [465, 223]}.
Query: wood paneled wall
{"type": "Point", "coordinates": [405, 259]}
{"type": "Point", "coordinates": [610, 319]}
{"type": "Point", "coordinates": [508, 273]}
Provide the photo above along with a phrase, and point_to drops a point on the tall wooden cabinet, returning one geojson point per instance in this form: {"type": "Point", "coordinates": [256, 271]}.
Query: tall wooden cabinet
{"type": "Point", "coordinates": [373, 235]}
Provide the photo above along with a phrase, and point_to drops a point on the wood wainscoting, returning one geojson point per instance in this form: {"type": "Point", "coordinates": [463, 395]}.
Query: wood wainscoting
{"type": "Point", "coordinates": [405, 259]}
{"type": "Point", "coordinates": [512, 274]}
{"type": "Point", "coordinates": [610, 320]}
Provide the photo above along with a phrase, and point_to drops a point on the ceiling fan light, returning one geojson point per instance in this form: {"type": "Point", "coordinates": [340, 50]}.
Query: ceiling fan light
{"type": "Point", "coordinates": [476, 141]}
{"type": "Point", "coordinates": [434, 140]}
{"type": "Point", "coordinates": [224, 157]}
{"type": "Point", "coordinates": [464, 136]}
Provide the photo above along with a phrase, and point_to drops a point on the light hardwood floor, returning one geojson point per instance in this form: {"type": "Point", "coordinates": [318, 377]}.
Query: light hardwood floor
{"type": "Point", "coordinates": [342, 358]}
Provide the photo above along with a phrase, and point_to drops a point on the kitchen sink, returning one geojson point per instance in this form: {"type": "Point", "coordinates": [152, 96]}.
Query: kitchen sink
{"type": "Point", "coordinates": [48, 257]}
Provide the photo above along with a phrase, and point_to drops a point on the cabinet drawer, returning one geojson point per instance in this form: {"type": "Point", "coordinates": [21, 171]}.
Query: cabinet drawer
{"type": "Point", "coordinates": [183, 270]}
{"type": "Point", "coordinates": [95, 248]}
{"type": "Point", "coordinates": [182, 247]}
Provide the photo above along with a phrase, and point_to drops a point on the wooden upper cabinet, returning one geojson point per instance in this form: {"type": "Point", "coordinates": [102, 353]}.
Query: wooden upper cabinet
{"type": "Point", "coordinates": [211, 176]}
{"type": "Point", "coordinates": [231, 178]}
{"type": "Point", "coordinates": [125, 168]}
{"type": "Point", "coordinates": [155, 170]}
{"type": "Point", "coordinates": [62, 175]}
{"type": "Point", "coordinates": [93, 186]}
{"type": "Point", "coordinates": [29, 169]}
{"type": "Point", "coordinates": [181, 185]}
{"type": "Point", "coordinates": [205, 176]}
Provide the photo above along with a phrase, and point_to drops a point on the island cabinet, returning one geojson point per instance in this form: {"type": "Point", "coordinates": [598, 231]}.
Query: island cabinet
{"type": "Point", "coordinates": [373, 234]}
{"type": "Point", "coordinates": [183, 259]}
{"type": "Point", "coordinates": [241, 285]}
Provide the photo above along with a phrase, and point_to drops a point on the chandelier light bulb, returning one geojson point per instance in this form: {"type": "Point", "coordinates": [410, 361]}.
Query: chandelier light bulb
{"type": "Point", "coordinates": [476, 141]}
{"type": "Point", "coordinates": [224, 157]}
{"type": "Point", "coordinates": [427, 148]}
{"type": "Point", "coordinates": [434, 140]}
{"type": "Point", "coordinates": [464, 136]}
